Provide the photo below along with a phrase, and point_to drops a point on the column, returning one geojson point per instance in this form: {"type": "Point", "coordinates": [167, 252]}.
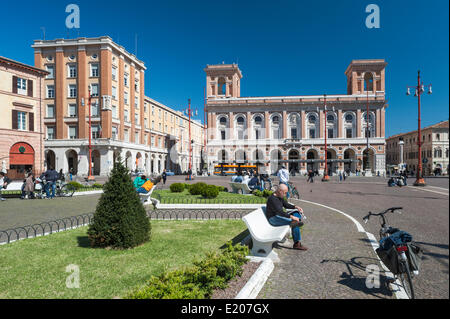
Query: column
{"type": "Point", "coordinates": [303, 123]}
{"type": "Point", "coordinates": [231, 129]}
{"type": "Point", "coordinates": [82, 93]}
{"type": "Point", "coordinates": [378, 123]}
{"type": "Point", "coordinates": [340, 120]}
{"type": "Point", "coordinates": [60, 94]}
{"type": "Point", "coordinates": [249, 125]}
{"type": "Point", "coordinates": [131, 103]}
{"type": "Point", "coordinates": [382, 122]}
{"type": "Point", "coordinates": [284, 124]}
{"type": "Point", "coordinates": [120, 90]}
{"type": "Point", "coordinates": [358, 123]}
{"type": "Point", "coordinates": [213, 125]}
{"type": "Point", "coordinates": [105, 90]}
{"type": "Point", "coordinates": [141, 105]}
{"type": "Point", "coordinates": [267, 124]}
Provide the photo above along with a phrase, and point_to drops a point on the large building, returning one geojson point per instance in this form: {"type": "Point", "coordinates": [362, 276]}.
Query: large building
{"type": "Point", "coordinates": [290, 130]}
{"type": "Point", "coordinates": [21, 127]}
{"type": "Point", "coordinates": [124, 122]}
{"type": "Point", "coordinates": [402, 150]}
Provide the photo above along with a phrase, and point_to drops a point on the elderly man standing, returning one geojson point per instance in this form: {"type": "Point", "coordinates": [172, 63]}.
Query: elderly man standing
{"type": "Point", "coordinates": [277, 217]}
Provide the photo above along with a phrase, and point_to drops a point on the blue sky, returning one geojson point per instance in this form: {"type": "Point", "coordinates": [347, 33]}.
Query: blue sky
{"type": "Point", "coordinates": [282, 47]}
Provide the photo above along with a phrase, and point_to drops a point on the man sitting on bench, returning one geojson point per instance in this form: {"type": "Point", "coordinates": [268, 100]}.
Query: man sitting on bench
{"type": "Point", "coordinates": [277, 217]}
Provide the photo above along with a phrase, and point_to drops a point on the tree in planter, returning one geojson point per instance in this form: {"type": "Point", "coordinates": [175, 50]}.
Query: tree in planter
{"type": "Point", "coordinates": [120, 220]}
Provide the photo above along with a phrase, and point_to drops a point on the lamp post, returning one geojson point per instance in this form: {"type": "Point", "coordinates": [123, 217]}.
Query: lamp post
{"type": "Point", "coordinates": [419, 89]}
{"type": "Point", "coordinates": [190, 113]}
{"type": "Point", "coordinates": [90, 177]}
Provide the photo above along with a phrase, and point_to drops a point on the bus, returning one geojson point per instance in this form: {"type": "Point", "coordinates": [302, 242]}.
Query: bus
{"type": "Point", "coordinates": [232, 169]}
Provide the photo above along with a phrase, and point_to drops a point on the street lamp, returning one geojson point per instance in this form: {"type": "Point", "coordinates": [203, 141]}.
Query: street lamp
{"type": "Point", "coordinates": [90, 177]}
{"type": "Point", "coordinates": [190, 113]}
{"type": "Point", "coordinates": [325, 178]}
{"type": "Point", "coordinates": [419, 89]}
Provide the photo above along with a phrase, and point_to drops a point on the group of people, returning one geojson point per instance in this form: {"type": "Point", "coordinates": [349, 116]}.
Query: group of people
{"type": "Point", "coordinates": [252, 179]}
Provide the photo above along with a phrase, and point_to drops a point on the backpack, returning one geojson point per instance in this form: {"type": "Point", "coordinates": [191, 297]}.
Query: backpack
{"type": "Point", "coordinates": [148, 185]}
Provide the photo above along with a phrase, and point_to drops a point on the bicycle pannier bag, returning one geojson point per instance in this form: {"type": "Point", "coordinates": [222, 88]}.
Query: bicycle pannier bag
{"type": "Point", "coordinates": [389, 258]}
{"type": "Point", "coordinates": [414, 254]}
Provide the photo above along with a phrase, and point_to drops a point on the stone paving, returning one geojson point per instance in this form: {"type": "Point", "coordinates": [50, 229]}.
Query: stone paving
{"type": "Point", "coordinates": [333, 267]}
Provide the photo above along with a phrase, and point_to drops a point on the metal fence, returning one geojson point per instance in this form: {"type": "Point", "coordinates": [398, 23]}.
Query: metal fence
{"type": "Point", "coordinates": [58, 225]}
{"type": "Point", "coordinates": [44, 228]}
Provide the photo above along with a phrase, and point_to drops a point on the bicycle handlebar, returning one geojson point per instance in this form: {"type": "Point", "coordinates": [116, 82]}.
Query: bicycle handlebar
{"type": "Point", "coordinates": [392, 210]}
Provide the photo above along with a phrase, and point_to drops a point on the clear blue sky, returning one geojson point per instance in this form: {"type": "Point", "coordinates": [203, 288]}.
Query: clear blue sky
{"type": "Point", "coordinates": [282, 47]}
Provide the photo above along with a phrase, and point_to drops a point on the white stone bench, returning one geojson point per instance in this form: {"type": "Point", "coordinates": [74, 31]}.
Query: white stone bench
{"type": "Point", "coordinates": [146, 196]}
{"type": "Point", "coordinates": [240, 188]}
{"type": "Point", "coordinates": [263, 234]}
{"type": "Point", "coordinates": [13, 186]}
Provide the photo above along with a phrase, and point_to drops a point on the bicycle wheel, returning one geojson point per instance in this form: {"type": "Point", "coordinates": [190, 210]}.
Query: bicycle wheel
{"type": "Point", "coordinates": [405, 278]}
{"type": "Point", "coordinates": [295, 193]}
{"type": "Point", "coordinates": [66, 190]}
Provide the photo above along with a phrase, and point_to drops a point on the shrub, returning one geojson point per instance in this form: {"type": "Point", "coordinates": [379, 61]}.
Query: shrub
{"type": "Point", "coordinates": [210, 191]}
{"type": "Point", "coordinates": [257, 193]}
{"type": "Point", "coordinates": [198, 281]}
{"type": "Point", "coordinates": [97, 185]}
{"type": "Point", "coordinates": [197, 188]}
{"type": "Point", "coordinates": [177, 188]}
{"type": "Point", "coordinates": [222, 189]}
{"type": "Point", "coordinates": [120, 220]}
{"type": "Point", "coordinates": [266, 193]}
{"type": "Point", "coordinates": [187, 186]}
{"type": "Point", "coordinates": [76, 185]}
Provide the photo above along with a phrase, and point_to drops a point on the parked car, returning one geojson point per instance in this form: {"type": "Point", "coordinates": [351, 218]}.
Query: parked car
{"type": "Point", "coordinates": [169, 172]}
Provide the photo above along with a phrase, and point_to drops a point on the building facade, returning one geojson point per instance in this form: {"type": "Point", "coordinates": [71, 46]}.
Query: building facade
{"type": "Point", "coordinates": [22, 112]}
{"type": "Point", "coordinates": [402, 150]}
{"type": "Point", "coordinates": [124, 122]}
{"type": "Point", "coordinates": [290, 130]}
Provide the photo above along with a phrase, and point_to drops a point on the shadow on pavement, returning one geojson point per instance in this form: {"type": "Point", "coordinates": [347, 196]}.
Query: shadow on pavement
{"type": "Point", "coordinates": [358, 283]}
{"type": "Point", "coordinates": [83, 241]}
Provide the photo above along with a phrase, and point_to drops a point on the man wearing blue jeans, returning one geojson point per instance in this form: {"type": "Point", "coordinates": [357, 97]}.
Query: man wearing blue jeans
{"type": "Point", "coordinates": [51, 176]}
{"type": "Point", "coordinates": [277, 217]}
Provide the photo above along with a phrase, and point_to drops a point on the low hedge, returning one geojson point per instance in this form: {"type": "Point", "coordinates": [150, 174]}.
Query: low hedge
{"type": "Point", "coordinates": [197, 188]}
{"type": "Point", "coordinates": [177, 187]}
{"type": "Point", "coordinates": [76, 185]}
{"type": "Point", "coordinates": [198, 281]}
{"type": "Point", "coordinates": [210, 191]}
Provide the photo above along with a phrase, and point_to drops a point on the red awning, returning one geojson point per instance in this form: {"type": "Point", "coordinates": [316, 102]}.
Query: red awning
{"type": "Point", "coordinates": [21, 154]}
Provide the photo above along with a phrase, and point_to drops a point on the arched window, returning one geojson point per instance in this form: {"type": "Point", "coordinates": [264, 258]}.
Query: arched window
{"type": "Point", "coordinates": [222, 86]}
{"type": "Point", "coordinates": [240, 127]}
{"type": "Point", "coordinates": [223, 127]}
{"type": "Point", "coordinates": [294, 126]}
{"type": "Point", "coordinates": [368, 82]}
{"type": "Point", "coordinates": [349, 125]}
{"type": "Point", "coordinates": [276, 127]}
{"type": "Point", "coordinates": [371, 131]}
{"type": "Point", "coordinates": [331, 126]}
{"type": "Point", "coordinates": [312, 125]}
{"type": "Point", "coordinates": [258, 125]}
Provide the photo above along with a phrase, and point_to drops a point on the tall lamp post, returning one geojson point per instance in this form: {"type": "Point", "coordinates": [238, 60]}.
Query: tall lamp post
{"type": "Point", "coordinates": [90, 177]}
{"type": "Point", "coordinates": [419, 89]}
{"type": "Point", "coordinates": [190, 113]}
{"type": "Point", "coordinates": [326, 177]}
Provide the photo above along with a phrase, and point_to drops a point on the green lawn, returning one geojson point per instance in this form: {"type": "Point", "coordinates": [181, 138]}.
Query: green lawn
{"type": "Point", "coordinates": [167, 197]}
{"type": "Point", "coordinates": [36, 268]}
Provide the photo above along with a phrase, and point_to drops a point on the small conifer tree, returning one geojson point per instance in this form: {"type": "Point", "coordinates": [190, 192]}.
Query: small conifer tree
{"type": "Point", "coordinates": [120, 220]}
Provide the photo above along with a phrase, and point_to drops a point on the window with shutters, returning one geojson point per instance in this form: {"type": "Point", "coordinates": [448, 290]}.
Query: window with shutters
{"type": "Point", "coordinates": [21, 121]}
{"type": "Point", "coordinates": [51, 70]}
{"type": "Point", "coordinates": [22, 86]}
{"type": "Point", "coordinates": [72, 91]}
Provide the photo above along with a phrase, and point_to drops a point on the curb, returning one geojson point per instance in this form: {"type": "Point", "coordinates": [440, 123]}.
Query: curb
{"type": "Point", "coordinates": [88, 193]}
{"type": "Point", "coordinates": [257, 280]}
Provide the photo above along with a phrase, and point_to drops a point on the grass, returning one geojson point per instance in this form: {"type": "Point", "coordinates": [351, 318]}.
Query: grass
{"type": "Point", "coordinates": [167, 197]}
{"type": "Point", "coordinates": [36, 268]}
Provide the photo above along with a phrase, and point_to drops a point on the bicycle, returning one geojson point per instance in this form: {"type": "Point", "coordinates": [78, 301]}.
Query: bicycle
{"type": "Point", "coordinates": [293, 192]}
{"type": "Point", "coordinates": [61, 190]}
{"type": "Point", "coordinates": [267, 182]}
{"type": "Point", "coordinates": [402, 256]}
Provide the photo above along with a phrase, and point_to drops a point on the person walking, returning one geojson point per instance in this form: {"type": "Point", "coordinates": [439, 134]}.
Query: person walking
{"type": "Point", "coordinates": [344, 176]}
{"type": "Point", "coordinates": [340, 177]}
{"type": "Point", "coordinates": [51, 176]}
{"type": "Point", "coordinates": [29, 187]}
{"type": "Point", "coordinates": [4, 181]}
{"type": "Point", "coordinates": [164, 176]}
{"type": "Point", "coordinates": [310, 176]}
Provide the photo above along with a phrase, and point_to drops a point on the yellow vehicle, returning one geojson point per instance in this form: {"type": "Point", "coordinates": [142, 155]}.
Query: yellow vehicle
{"type": "Point", "coordinates": [232, 169]}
